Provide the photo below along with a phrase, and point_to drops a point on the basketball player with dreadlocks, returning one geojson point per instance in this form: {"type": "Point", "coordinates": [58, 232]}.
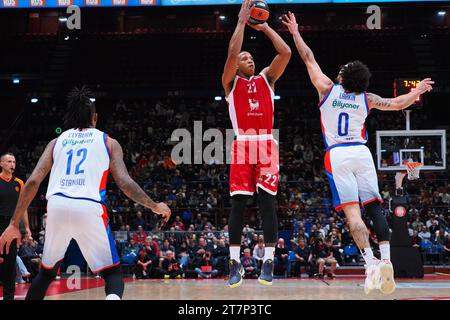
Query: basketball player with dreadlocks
{"type": "Point", "coordinates": [79, 161]}
{"type": "Point", "coordinates": [349, 166]}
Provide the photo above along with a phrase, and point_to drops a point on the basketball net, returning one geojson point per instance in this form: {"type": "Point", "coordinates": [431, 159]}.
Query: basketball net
{"type": "Point", "coordinates": [413, 169]}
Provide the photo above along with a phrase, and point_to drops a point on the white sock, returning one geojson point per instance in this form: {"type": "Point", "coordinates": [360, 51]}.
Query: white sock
{"type": "Point", "coordinates": [235, 253]}
{"type": "Point", "coordinates": [367, 254]}
{"type": "Point", "coordinates": [385, 250]}
{"type": "Point", "coordinates": [112, 297]}
{"type": "Point", "coordinates": [269, 253]}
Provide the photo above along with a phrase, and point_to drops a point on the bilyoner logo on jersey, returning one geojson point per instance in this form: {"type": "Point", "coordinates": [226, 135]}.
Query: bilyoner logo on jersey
{"type": "Point", "coordinates": [10, 3]}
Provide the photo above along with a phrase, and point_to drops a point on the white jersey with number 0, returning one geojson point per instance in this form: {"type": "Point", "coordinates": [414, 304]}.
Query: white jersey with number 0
{"type": "Point", "coordinates": [343, 117]}
{"type": "Point", "coordinates": [80, 165]}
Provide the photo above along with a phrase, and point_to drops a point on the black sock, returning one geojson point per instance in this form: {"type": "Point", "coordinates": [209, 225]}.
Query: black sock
{"type": "Point", "coordinates": [41, 283]}
{"type": "Point", "coordinates": [236, 221]}
{"type": "Point", "coordinates": [268, 211]}
{"type": "Point", "coordinates": [113, 281]}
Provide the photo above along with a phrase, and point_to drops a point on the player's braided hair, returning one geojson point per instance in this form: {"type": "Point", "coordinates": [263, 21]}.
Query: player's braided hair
{"type": "Point", "coordinates": [355, 77]}
{"type": "Point", "coordinates": [80, 109]}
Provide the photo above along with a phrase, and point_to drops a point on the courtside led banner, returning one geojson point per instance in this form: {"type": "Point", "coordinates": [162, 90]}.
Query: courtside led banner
{"type": "Point", "coordinates": [80, 3]}
{"type": "Point", "coordinates": [135, 3]}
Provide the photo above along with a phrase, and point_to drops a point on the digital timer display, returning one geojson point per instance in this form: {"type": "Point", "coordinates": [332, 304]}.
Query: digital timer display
{"type": "Point", "coordinates": [405, 86]}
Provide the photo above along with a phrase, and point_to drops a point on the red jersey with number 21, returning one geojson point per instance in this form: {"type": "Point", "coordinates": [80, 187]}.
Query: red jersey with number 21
{"type": "Point", "coordinates": [251, 106]}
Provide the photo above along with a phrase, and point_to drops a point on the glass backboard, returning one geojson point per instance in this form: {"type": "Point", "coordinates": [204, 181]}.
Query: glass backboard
{"type": "Point", "coordinates": [425, 146]}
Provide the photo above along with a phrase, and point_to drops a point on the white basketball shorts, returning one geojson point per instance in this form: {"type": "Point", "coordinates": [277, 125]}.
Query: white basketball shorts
{"type": "Point", "coordinates": [352, 175]}
{"type": "Point", "coordinates": [86, 222]}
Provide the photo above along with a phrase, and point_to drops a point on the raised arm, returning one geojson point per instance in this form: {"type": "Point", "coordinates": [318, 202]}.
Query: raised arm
{"type": "Point", "coordinates": [235, 46]}
{"type": "Point", "coordinates": [279, 63]}
{"type": "Point", "coordinates": [129, 186]}
{"type": "Point", "coordinates": [319, 80]}
{"type": "Point", "coordinates": [400, 102]}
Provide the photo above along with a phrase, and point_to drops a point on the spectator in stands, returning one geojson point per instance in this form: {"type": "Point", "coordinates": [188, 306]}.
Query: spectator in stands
{"type": "Point", "coordinates": [440, 238]}
{"type": "Point", "coordinates": [130, 252]}
{"type": "Point", "coordinates": [23, 275]}
{"type": "Point", "coordinates": [258, 253]}
{"type": "Point", "coordinates": [170, 266]}
{"type": "Point", "coordinates": [417, 224]}
{"type": "Point", "coordinates": [323, 254]}
{"type": "Point", "coordinates": [183, 254]}
{"type": "Point", "coordinates": [166, 246]}
{"type": "Point", "coordinates": [220, 257]}
{"type": "Point", "coordinates": [416, 240]}
{"type": "Point", "coordinates": [253, 241]}
{"type": "Point", "coordinates": [140, 235]}
{"type": "Point", "coordinates": [434, 230]}
{"type": "Point", "coordinates": [249, 264]}
{"type": "Point", "coordinates": [154, 244]}
{"type": "Point", "coordinates": [425, 234]}
{"type": "Point", "coordinates": [178, 224]}
{"type": "Point", "coordinates": [204, 267]}
{"type": "Point", "coordinates": [138, 221]}
{"type": "Point", "coordinates": [282, 265]}
{"type": "Point", "coordinates": [244, 245]}
{"type": "Point", "coordinates": [31, 259]}
{"type": "Point", "coordinates": [147, 260]}
{"type": "Point", "coordinates": [336, 245]}
{"type": "Point", "coordinates": [302, 257]}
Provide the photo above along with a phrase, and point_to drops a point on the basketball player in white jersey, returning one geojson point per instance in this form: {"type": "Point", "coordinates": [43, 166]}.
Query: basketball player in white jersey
{"type": "Point", "coordinates": [255, 166]}
{"type": "Point", "coordinates": [79, 161]}
{"type": "Point", "coordinates": [348, 162]}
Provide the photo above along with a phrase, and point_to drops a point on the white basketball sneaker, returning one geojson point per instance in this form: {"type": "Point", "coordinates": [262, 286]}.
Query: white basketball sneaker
{"type": "Point", "coordinates": [387, 283]}
{"type": "Point", "coordinates": [372, 277]}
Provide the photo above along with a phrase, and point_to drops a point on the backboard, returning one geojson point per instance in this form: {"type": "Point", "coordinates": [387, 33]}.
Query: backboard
{"type": "Point", "coordinates": [425, 146]}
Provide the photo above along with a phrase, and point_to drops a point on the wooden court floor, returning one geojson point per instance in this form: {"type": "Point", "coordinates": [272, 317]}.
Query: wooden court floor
{"type": "Point", "coordinates": [348, 288]}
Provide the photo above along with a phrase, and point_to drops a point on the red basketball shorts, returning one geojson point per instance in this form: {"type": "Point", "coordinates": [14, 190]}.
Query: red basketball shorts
{"type": "Point", "coordinates": [254, 164]}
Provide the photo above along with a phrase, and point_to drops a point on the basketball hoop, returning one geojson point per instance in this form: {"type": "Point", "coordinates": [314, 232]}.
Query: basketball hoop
{"type": "Point", "coordinates": [413, 169]}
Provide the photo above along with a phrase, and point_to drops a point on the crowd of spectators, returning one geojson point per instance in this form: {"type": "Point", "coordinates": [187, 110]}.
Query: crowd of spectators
{"type": "Point", "coordinates": [196, 238]}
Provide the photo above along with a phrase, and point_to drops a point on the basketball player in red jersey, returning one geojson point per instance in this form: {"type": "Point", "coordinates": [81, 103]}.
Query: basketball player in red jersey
{"type": "Point", "coordinates": [254, 165]}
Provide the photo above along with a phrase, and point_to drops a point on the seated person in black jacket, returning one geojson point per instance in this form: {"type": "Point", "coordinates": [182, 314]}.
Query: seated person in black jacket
{"type": "Point", "coordinates": [170, 266]}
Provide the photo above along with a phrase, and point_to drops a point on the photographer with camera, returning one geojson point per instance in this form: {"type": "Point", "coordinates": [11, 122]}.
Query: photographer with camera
{"type": "Point", "coordinates": [204, 266]}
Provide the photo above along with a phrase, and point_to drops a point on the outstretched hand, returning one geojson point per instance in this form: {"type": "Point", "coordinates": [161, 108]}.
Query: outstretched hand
{"type": "Point", "coordinates": [290, 22]}
{"type": "Point", "coordinates": [426, 85]}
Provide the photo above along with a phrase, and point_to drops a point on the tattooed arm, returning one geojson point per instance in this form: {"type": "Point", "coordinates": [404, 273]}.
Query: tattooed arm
{"type": "Point", "coordinates": [32, 185]}
{"type": "Point", "coordinates": [129, 186]}
{"type": "Point", "coordinates": [400, 102]}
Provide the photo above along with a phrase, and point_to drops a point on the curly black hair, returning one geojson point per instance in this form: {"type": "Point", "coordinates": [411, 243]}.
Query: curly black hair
{"type": "Point", "coordinates": [80, 109]}
{"type": "Point", "coordinates": [355, 77]}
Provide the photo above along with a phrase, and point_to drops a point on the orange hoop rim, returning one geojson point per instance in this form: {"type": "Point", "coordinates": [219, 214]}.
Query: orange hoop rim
{"type": "Point", "coordinates": [414, 165]}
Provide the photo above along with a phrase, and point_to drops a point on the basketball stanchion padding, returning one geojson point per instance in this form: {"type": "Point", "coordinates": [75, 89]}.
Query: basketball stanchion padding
{"type": "Point", "coordinates": [406, 259]}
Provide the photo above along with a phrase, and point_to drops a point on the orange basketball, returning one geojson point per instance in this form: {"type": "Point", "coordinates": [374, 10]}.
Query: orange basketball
{"type": "Point", "coordinates": [259, 13]}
